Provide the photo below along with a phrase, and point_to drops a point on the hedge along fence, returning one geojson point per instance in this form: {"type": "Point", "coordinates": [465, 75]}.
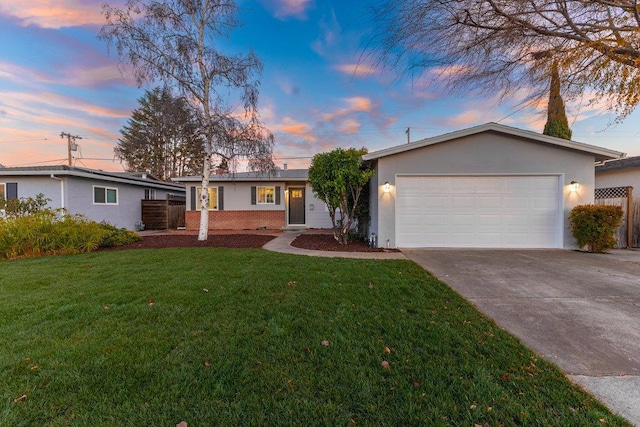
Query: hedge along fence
{"type": "Point", "coordinates": [594, 226]}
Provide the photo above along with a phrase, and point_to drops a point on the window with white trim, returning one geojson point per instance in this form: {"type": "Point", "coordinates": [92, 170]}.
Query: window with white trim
{"type": "Point", "coordinates": [149, 194]}
{"type": "Point", "coordinates": [105, 195]}
{"type": "Point", "coordinates": [213, 198]}
{"type": "Point", "coordinates": [266, 195]}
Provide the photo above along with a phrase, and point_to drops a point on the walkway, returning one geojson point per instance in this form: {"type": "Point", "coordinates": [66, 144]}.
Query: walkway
{"type": "Point", "coordinates": [282, 244]}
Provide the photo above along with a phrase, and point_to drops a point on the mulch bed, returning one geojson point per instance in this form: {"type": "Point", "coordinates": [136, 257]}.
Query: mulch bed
{"type": "Point", "coordinates": [326, 242]}
{"type": "Point", "coordinates": [319, 242]}
{"type": "Point", "coordinates": [238, 241]}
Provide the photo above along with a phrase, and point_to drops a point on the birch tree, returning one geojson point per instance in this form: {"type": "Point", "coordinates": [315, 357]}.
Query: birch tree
{"type": "Point", "coordinates": [505, 46]}
{"type": "Point", "coordinates": [180, 42]}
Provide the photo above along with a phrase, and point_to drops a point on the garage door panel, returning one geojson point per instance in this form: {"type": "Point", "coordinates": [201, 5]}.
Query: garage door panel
{"type": "Point", "coordinates": [545, 202]}
{"type": "Point", "coordinates": [485, 220]}
{"type": "Point", "coordinates": [460, 202]}
{"type": "Point", "coordinates": [484, 201]}
{"type": "Point", "coordinates": [471, 211]}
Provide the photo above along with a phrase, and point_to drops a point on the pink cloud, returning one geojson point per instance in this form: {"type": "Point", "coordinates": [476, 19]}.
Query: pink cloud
{"type": "Point", "coordinates": [357, 70]}
{"type": "Point", "coordinates": [349, 126]}
{"type": "Point", "coordinates": [77, 76]}
{"type": "Point", "coordinates": [65, 13]}
{"type": "Point", "coordinates": [356, 104]}
{"type": "Point", "coordinates": [301, 130]}
{"type": "Point", "coordinates": [282, 9]}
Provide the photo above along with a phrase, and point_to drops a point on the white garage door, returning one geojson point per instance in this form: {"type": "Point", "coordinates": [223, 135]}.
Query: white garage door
{"type": "Point", "coordinates": [478, 211]}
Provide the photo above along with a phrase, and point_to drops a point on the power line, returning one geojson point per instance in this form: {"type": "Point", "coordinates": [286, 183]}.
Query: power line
{"type": "Point", "coordinates": [37, 163]}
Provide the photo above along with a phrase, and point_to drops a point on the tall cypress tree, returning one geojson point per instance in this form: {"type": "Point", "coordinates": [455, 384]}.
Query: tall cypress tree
{"type": "Point", "coordinates": [557, 124]}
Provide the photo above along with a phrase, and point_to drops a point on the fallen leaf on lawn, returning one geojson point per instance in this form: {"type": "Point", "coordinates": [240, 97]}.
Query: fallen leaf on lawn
{"type": "Point", "coordinates": [416, 384]}
{"type": "Point", "coordinates": [151, 303]}
{"type": "Point", "coordinates": [387, 350]}
{"type": "Point", "coordinates": [489, 408]}
{"type": "Point", "coordinates": [308, 350]}
{"type": "Point", "coordinates": [182, 424]}
{"type": "Point", "coordinates": [106, 308]}
{"type": "Point", "coordinates": [473, 406]}
{"type": "Point", "coordinates": [352, 421]}
{"type": "Point", "coordinates": [20, 399]}
{"type": "Point", "coordinates": [26, 359]}
{"type": "Point", "coordinates": [205, 290]}
{"type": "Point", "coordinates": [370, 285]}
{"type": "Point", "coordinates": [34, 367]}
{"type": "Point", "coordinates": [291, 283]}
{"type": "Point", "coordinates": [325, 343]}
{"type": "Point", "coordinates": [385, 364]}
{"type": "Point", "coordinates": [505, 376]}
{"type": "Point", "coordinates": [207, 364]}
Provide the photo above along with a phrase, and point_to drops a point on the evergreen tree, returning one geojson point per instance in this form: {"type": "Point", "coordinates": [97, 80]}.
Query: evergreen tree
{"type": "Point", "coordinates": [557, 124]}
{"type": "Point", "coordinates": [161, 137]}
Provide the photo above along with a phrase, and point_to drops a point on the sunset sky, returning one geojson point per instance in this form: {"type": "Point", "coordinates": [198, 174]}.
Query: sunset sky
{"type": "Point", "coordinates": [56, 76]}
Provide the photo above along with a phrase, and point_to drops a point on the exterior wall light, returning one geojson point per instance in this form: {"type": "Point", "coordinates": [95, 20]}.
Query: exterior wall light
{"type": "Point", "coordinates": [574, 186]}
{"type": "Point", "coordinates": [386, 187]}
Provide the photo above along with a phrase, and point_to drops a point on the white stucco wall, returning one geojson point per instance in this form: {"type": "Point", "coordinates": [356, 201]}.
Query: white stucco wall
{"type": "Point", "coordinates": [486, 153]}
{"type": "Point", "coordinates": [32, 186]}
{"type": "Point", "coordinates": [317, 214]}
{"type": "Point", "coordinates": [627, 177]}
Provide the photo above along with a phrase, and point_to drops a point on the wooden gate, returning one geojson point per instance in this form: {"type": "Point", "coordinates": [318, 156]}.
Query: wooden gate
{"type": "Point", "coordinates": [628, 234]}
{"type": "Point", "coordinates": [163, 214]}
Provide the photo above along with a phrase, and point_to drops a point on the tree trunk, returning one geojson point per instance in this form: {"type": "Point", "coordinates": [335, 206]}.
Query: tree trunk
{"type": "Point", "coordinates": [203, 234]}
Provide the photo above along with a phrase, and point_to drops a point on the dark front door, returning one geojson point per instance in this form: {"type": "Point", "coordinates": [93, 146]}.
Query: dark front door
{"type": "Point", "coordinates": [296, 206]}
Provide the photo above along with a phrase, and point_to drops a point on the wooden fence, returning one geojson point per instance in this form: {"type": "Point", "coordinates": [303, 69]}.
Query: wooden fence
{"type": "Point", "coordinates": [628, 234]}
{"type": "Point", "coordinates": [163, 214]}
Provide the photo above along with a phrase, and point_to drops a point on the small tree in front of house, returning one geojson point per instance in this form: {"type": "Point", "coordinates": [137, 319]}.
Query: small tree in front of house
{"type": "Point", "coordinates": [338, 178]}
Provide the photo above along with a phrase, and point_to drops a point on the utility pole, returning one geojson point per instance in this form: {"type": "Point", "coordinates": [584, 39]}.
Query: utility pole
{"type": "Point", "coordinates": [71, 143]}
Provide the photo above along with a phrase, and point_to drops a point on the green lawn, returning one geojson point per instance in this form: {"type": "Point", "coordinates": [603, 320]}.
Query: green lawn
{"type": "Point", "coordinates": [235, 337]}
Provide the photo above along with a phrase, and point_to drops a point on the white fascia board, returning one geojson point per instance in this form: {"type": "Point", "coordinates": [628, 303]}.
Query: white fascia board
{"type": "Point", "coordinates": [601, 153]}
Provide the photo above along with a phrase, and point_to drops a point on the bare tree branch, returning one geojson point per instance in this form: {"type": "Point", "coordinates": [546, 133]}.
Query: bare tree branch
{"type": "Point", "coordinates": [501, 46]}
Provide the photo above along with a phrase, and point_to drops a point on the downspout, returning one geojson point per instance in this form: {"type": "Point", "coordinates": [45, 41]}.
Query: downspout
{"type": "Point", "coordinates": [61, 190]}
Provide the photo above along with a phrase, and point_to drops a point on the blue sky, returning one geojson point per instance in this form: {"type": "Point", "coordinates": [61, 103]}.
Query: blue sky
{"type": "Point", "coordinates": [56, 76]}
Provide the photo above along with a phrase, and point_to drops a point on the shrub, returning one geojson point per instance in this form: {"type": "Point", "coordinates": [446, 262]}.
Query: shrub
{"type": "Point", "coordinates": [593, 226]}
{"type": "Point", "coordinates": [116, 236]}
{"type": "Point", "coordinates": [30, 229]}
{"type": "Point", "coordinates": [15, 208]}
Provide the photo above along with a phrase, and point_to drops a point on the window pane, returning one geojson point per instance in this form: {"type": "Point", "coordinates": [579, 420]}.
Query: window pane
{"type": "Point", "coordinates": [99, 195]}
{"type": "Point", "coordinates": [112, 195]}
{"type": "Point", "coordinates": [213, 197]}
{"type": "Point", "coordinates": [266, 194]}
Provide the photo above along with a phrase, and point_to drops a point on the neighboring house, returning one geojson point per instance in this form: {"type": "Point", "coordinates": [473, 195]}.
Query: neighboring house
{"type": "Point", "coordinates": [619, 173]}
{"type": "Point", "coordinates": [114, 197]}
{"type": "Point", "coordinates": [249, 200]}
{"type": "Point", "coordinates": [490, 186]}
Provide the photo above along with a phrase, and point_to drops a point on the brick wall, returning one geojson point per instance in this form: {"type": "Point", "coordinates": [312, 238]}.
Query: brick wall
{"type": "Point", "coordinates": [237, 220]}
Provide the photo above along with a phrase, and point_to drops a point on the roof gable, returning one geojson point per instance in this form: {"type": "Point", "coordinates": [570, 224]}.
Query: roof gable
{"type": "Point", "coordinates": [600, 153]}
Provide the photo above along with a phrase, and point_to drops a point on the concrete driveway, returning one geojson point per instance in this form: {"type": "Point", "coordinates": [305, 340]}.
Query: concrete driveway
{"type": "Point", "coordinates": [580, 311]}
